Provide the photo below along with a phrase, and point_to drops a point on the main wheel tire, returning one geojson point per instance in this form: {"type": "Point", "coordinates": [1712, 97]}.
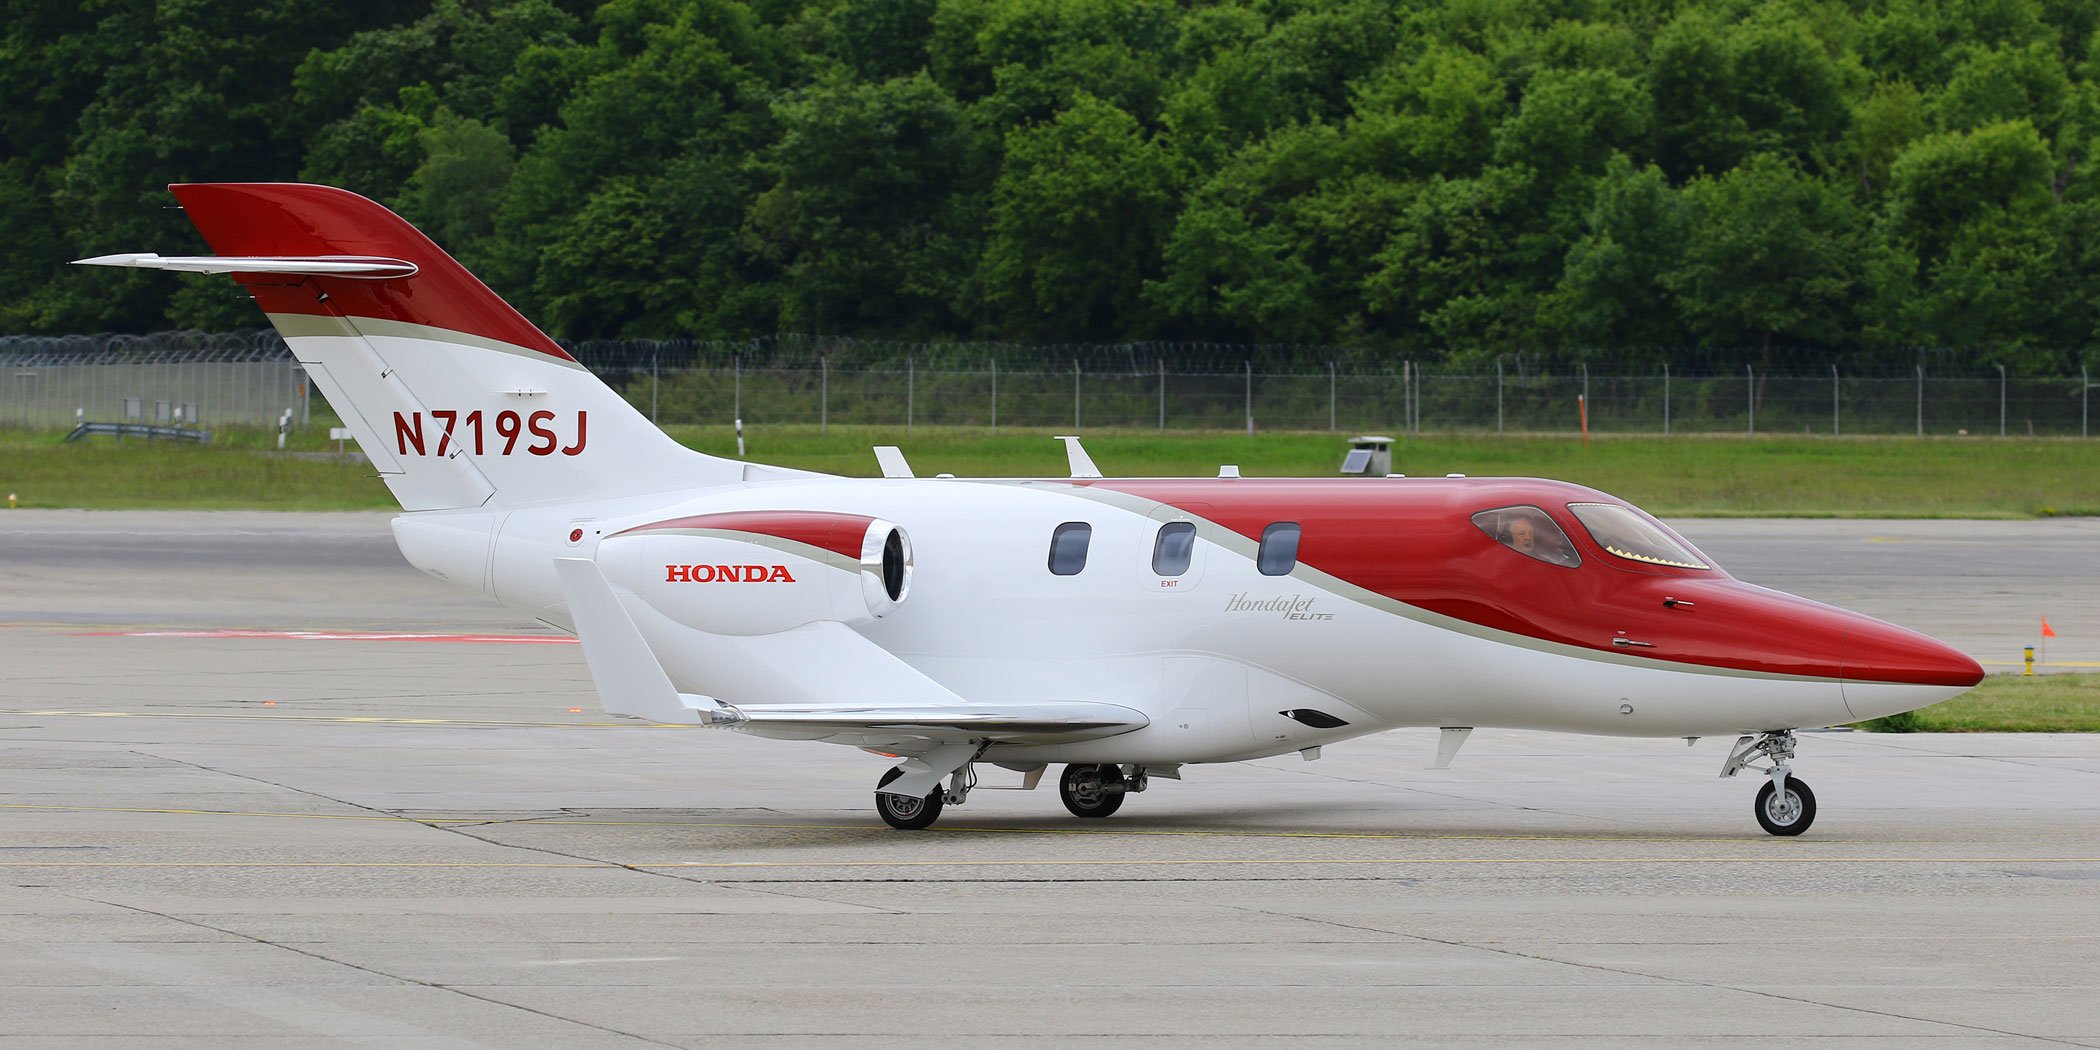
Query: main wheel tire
{"type": "Point", "coordinates": [1787, 814]}
{"type": "Point", "coordinates": [904, 812]}
{"type": "Point", "coordinates": [1082, 789]}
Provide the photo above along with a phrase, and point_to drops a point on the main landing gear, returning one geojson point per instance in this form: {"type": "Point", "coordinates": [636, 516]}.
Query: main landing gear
{"type": "Point", "coordinates": [1086, 790]}
{"type": "Point", "coordinates": [1785, 805]}
{"type": "Point", "coordinates": [907, 812]}
{"type": "Point", "coordinates": [1097, 791]}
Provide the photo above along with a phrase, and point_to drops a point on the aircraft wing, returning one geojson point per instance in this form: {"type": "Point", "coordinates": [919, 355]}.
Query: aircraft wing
{"type": "Point", "coordinates": [631, 683]}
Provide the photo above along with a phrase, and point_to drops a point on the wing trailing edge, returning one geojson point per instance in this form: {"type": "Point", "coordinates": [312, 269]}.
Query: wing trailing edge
{"type": "Point", "coordinates": [632, 684]}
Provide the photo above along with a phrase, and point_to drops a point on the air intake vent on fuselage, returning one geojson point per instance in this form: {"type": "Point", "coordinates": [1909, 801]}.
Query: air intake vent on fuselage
{"type": "Point", "coordinates": [1315, 719]}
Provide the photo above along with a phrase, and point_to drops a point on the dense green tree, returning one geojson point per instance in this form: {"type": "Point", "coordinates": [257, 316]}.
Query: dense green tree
{"type": "Point", "coordinates": [1076, 221]}
{"type": "Point", "coordinates": [185, 89]}
{"type": "Point", "coordinates": [1615, 289]}
{"type": "Point", "coordinates": [1455, 179]}
{"type": "Point", "coordinates": [1883, 123]}
{"type": "Point", "coordinates": [865, 221]}
{"type": "Point", "coordinates": [1274, 245]}
{"type": "Point", "coordinates": [582, 235]}
{"type": "Point", "coordinates": [1775, 258]}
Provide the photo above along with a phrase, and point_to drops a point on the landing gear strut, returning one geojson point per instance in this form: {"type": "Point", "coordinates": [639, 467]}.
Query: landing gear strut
{"type": "Point", "coordinates": [1097, 791]}
{"type": "Point", "coordinates": [1785, 805]}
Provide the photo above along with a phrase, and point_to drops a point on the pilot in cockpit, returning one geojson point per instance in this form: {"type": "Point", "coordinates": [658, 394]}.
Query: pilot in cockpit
{"type": "Point", "coordinates": [1528, 531]}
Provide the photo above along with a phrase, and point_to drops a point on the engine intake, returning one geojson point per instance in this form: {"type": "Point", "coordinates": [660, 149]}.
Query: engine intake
{"type": "Point", "coordinates": [885, 567]}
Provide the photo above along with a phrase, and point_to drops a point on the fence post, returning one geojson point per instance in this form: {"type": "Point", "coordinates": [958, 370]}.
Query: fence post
{"type": "Point", "coordinates": [2085, 397]}
{"type": "Point", "coordinates": [995, 395]}
{"type": "Point", "coordinates": [1418, 400]}
{"type": "Point", "coordinates": [824, 394]}
{"type": "Point", "coordinates": [1833, 400]}
{"type": "Point", "coordinates": [1250, 397]}
{"type": "Point", "coordinates": [654, 383]}
{"type": "Point", "coordinates": [911, 390]}
{"type": "Point", "coordinates": [1075, 395]}
{"type": "Point", "coordinates": [1666, 398]}
{"type": "Point", "coordinates": [1498, 396]}
{"type": "Point", "coordinates": [1330, 397]}
{"type": "Point", "coordinates": [1408, 397]}
{"type": "Point", "coordinates": [1921, 400]}
{"type": "Point", "coordinates": [2001, 400]}
{"type": "Point", "coordinates": [1162, 395]}
{"type": "Point", "coordinates": [738, 365]}
{"type": "Point", "coordinates": [1750, 392]}
{"type": "Point", "coordinates": [1585, 398]}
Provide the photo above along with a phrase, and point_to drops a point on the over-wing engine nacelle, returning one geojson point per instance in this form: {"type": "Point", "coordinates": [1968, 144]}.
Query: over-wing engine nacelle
{"type": "Point", "coordinates": [746, 573]}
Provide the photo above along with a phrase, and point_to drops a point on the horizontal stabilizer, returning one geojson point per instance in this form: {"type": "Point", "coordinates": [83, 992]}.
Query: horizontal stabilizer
{"type": "Point", "coordinates": [369, 267]}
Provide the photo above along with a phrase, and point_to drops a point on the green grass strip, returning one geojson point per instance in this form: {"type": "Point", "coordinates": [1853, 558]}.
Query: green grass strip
{"type": "Point", "coordinates": [2008, 703]}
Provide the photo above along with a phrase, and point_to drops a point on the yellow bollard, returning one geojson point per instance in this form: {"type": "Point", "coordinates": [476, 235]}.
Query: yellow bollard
{"type": "Point", "coordinates": [10, 501]}
{"type": "Point", "coordinates": [2030, 661]}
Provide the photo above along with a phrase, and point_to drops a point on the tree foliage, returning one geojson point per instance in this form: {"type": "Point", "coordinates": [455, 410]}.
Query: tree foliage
{"type": "Point", "coordinates": [1451, 179]}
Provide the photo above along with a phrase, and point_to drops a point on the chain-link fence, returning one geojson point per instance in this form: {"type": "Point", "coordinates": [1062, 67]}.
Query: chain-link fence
{"type": "Point", "coordinates": [195, 378]}
{"type": "Point", "coordinates": [250, 378]}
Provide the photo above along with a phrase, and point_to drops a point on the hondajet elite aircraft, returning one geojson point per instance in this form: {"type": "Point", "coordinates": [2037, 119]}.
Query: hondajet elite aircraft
{"type": "Point", "coordinates": [1121, 628]}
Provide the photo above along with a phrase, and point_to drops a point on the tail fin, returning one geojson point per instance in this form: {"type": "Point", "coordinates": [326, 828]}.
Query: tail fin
{"type": "Point", "coordinates": [456, 397]}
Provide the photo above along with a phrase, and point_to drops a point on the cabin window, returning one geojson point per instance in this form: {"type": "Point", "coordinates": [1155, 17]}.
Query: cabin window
{"type": "Point", "coordinates": [1530, 532]}
{"type": "Point", "coordinates": [1174, 549]}
{"type": "Point", "coordinates": [1634, 536]}
{"type": "Point", "coordinates": [1279, 549]}
{"type": "Point", "coordinates": [1068, 548]}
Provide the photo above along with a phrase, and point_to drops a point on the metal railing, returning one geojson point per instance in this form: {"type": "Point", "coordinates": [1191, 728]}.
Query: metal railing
{"type": "Point", "coordinates": [250, 378]}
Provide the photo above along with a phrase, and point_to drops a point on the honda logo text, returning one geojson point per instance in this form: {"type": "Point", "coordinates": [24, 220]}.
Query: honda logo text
{"type": "Point", "coordinates": [727, 574]}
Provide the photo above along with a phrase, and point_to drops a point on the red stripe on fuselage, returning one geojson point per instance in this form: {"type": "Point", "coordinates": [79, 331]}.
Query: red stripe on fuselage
{"type": "Point", "coordinates": [1413, 540]}
{"type": "Point", "coordinates": [838, 533]}
{"type": "Point", "coordinates": [291, 219]}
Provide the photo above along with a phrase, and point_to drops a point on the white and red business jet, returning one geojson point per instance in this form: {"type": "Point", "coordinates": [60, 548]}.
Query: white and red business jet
{"type": "Point", "coordinates": [1122, 628]}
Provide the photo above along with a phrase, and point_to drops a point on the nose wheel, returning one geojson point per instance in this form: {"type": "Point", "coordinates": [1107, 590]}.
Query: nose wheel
{"type": "Point", "coordinates": [1785, 806]}
{"type": "Point", "coordinates": [1786, 810]}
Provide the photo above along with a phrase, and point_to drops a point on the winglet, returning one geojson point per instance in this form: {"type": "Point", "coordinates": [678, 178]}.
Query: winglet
{"type": "Point", "coordinates": [1081, 463]}
{"type": "Point", "coordinates": [631, 682]}
{"type": "Point", "coordinates": [891, 459]}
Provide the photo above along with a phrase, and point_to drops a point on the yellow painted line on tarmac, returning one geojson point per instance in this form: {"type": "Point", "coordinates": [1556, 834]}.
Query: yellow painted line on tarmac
{"type": "Point", "coordinates": [346, 719]}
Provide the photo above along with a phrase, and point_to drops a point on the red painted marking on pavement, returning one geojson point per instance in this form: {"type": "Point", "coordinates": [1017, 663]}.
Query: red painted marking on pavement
{"type": "Point", "coordinates": [346, 636]}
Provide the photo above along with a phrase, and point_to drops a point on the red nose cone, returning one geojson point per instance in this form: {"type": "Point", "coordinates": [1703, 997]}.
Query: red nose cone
{"type": "Point", "coordinates": [1883, 652]}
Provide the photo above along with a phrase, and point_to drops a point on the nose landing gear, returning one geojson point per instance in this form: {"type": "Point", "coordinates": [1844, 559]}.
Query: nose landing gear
{"type": "Point", "coordinates": [1786, 810]}
{"type": "Point", "coordinates": [1785, 805]}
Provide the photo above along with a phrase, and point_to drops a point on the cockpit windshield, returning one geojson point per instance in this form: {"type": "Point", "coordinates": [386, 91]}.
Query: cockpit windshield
{"type": "Point", "coordinates": [1625, 533]}
{"type": "Point", "coordinates": [1530, 532]}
